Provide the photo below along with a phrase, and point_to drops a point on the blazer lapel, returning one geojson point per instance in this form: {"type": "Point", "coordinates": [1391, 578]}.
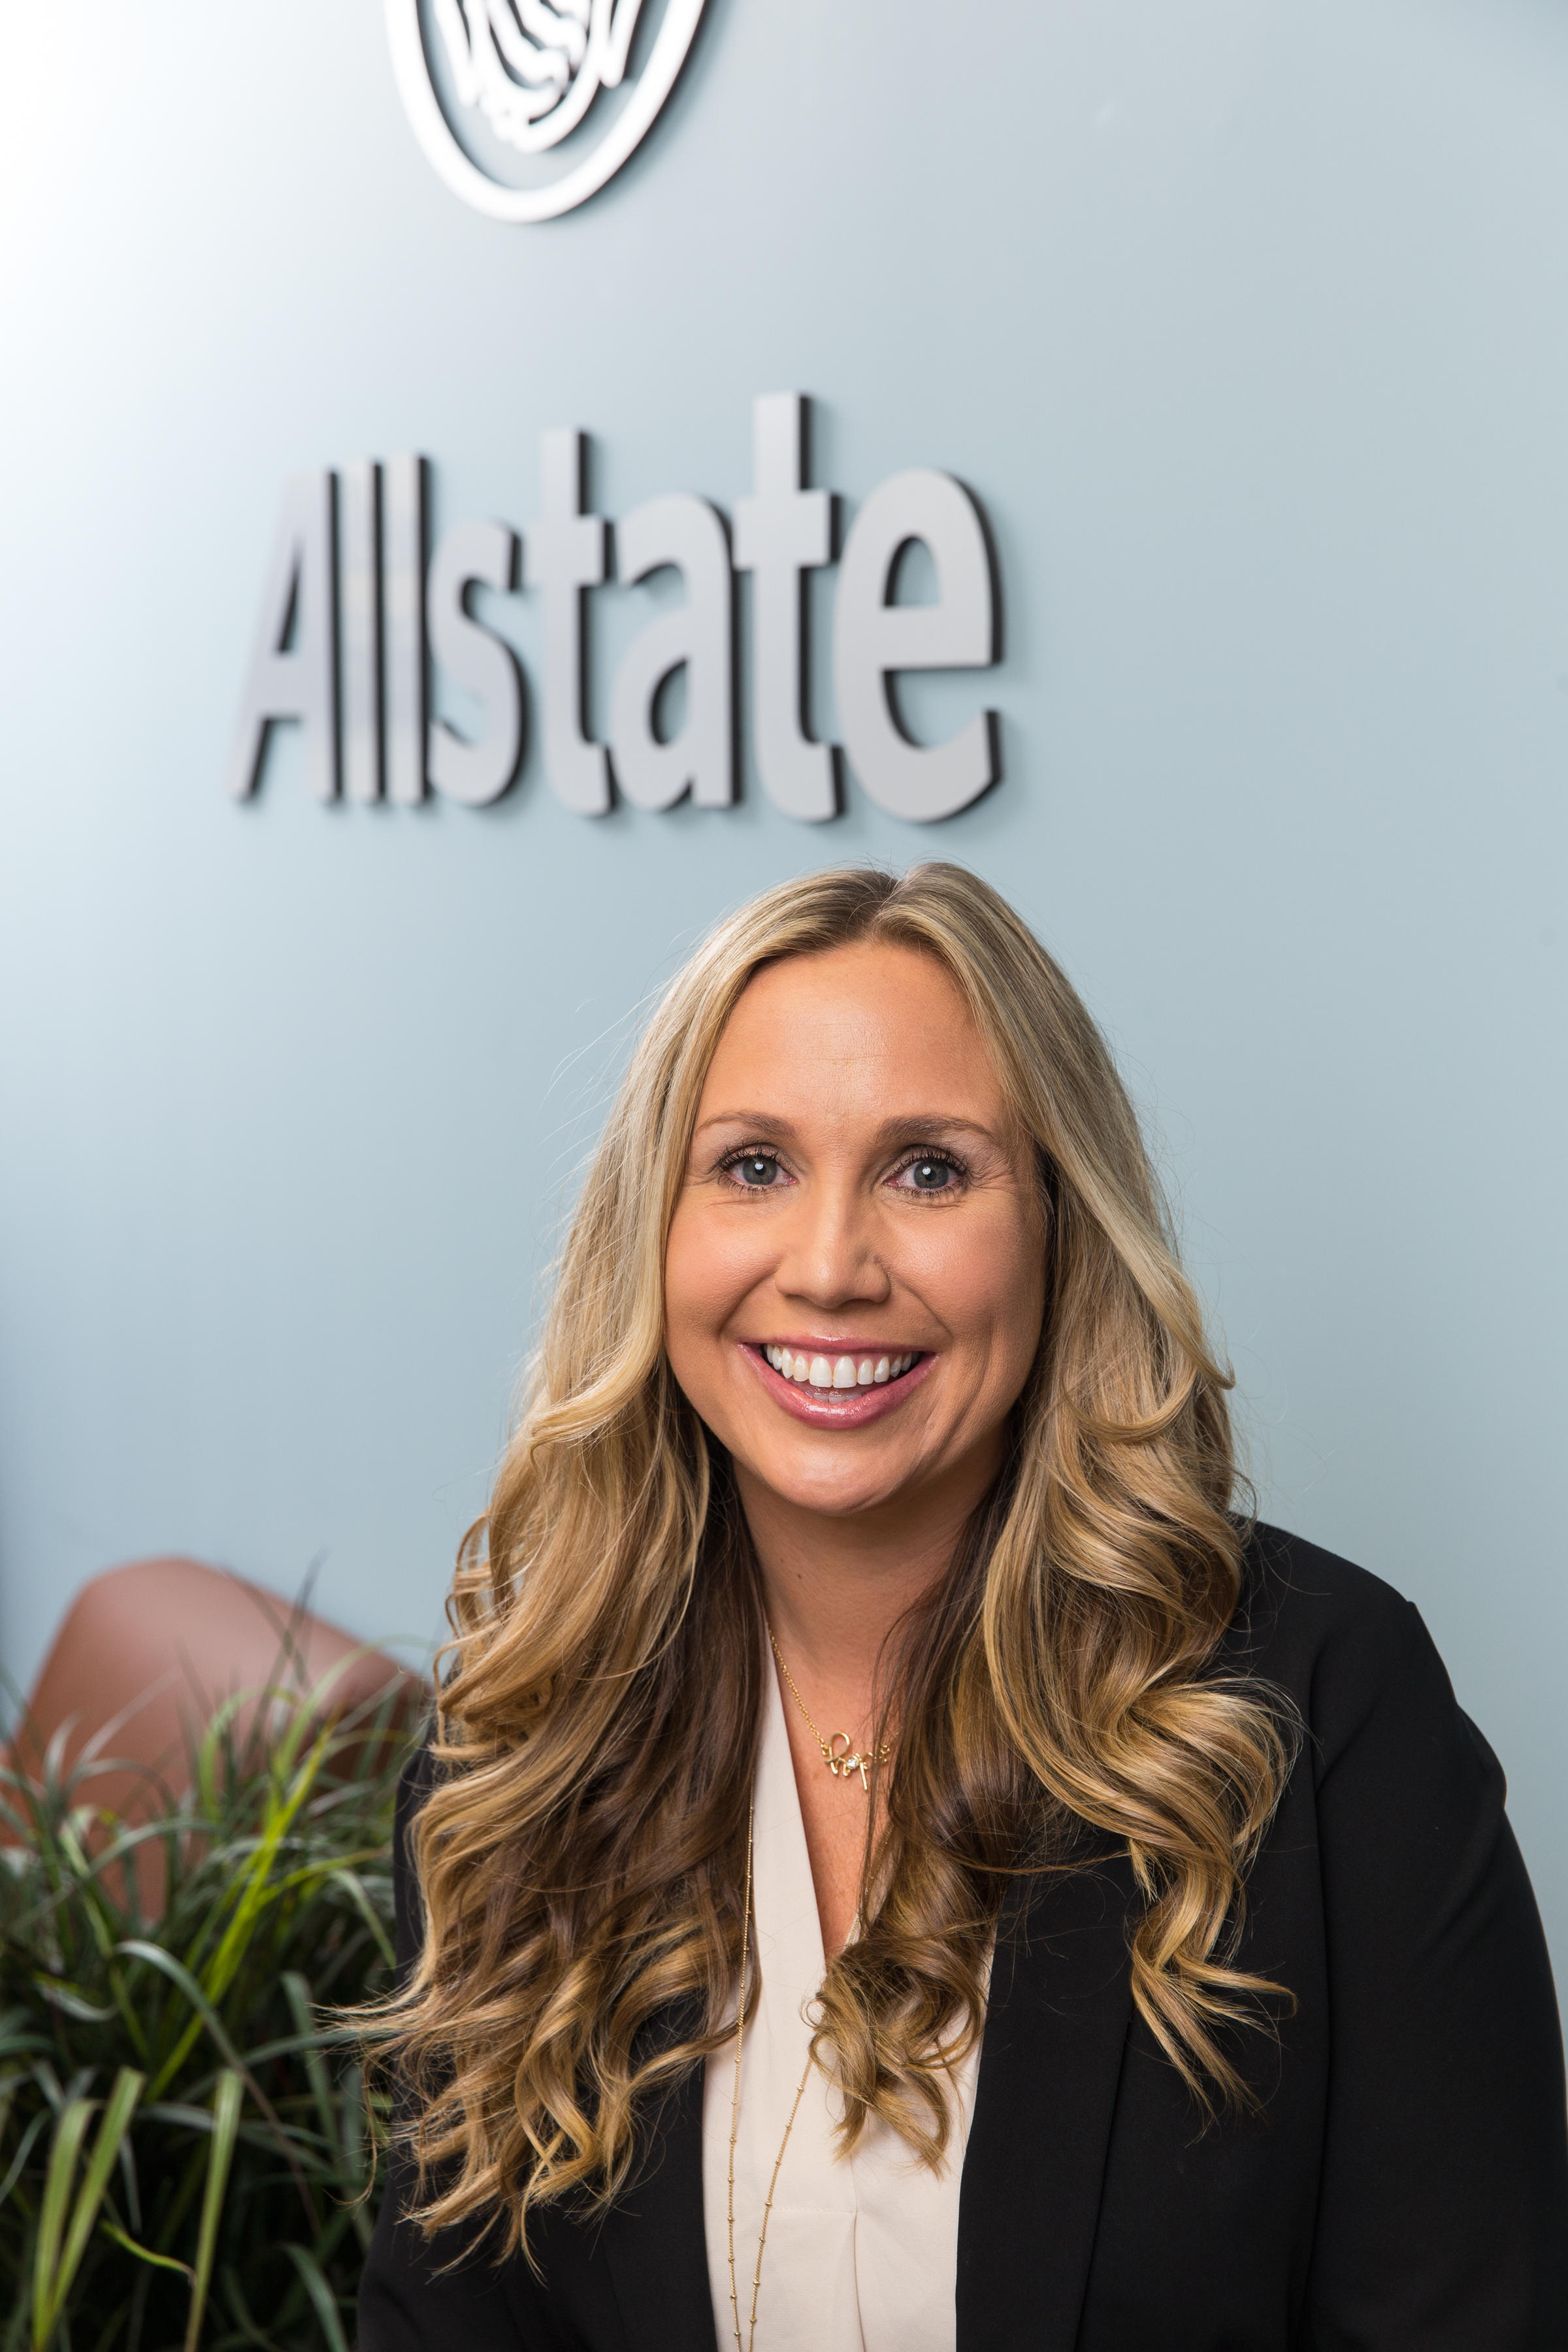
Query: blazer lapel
{"type": "Point", "coordinates": [1029, 2199]}
{"type": "Point", "coordinates": [652, 2238]}
{"type": "Point", "coordinates": [1049, 2065]}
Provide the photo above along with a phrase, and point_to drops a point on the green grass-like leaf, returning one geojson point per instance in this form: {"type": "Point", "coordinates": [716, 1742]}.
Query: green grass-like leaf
{"type": "Point", "coordinates": [227, 2099]}
{"type": "Point", "coordinates": [189, 2151]}
{"type": "Point", "coordinates": [106, 2148]}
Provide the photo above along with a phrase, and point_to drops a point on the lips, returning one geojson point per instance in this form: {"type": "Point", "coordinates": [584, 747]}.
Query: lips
{"type": "Point", "coordinates": [833, 1394]}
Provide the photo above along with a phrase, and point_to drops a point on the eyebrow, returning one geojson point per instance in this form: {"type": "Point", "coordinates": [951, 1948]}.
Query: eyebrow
{"type": "Point", "coordinates": [891, 1130]}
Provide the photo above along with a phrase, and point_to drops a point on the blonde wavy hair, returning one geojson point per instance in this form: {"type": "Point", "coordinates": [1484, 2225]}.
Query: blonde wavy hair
{"type": "Point", "coordinates": [582, 1853]}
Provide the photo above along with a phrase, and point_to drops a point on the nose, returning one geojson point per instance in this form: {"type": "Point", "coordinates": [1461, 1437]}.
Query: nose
{"type": "Point", "coordinates": [830, 1257]}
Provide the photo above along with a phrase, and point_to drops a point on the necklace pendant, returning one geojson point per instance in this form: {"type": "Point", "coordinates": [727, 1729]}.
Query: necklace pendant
{"type": "Point", "coordinates": [844, 1761]}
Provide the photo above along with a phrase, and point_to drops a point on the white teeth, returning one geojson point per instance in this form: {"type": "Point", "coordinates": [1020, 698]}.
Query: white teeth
{"type": "Point", "coordinates": [838, 1371]}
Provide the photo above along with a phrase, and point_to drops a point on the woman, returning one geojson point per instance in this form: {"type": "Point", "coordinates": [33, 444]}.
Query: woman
{"type": "Point", "coordinates": [1130, 1945]}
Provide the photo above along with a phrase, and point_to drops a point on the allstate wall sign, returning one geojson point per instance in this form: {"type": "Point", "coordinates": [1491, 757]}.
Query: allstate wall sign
{"type": "Point", "coordinates": [360, 617]}
{"type": "Point", "coordinates": [527, 107]}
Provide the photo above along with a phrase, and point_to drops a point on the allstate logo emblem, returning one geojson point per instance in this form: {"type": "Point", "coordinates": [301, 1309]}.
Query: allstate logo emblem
{"type": "Point", "coordinates": [526, 107]}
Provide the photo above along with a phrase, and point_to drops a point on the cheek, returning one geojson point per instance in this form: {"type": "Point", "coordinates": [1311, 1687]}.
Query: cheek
{"type": "Point", "coordinates": [988, 1284]}
{"type": "Point", "coordinates": [683, 1301]}
{"type": "Point", "coordinates": [707, 1274]}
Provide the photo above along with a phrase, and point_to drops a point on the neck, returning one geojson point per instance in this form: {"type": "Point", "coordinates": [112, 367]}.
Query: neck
{"type": "Point", "coordinates": [836, 1587]}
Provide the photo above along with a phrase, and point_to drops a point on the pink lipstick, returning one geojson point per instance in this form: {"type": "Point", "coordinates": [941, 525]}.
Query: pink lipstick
{"type": "Point", "coordinates": [837, 1384]}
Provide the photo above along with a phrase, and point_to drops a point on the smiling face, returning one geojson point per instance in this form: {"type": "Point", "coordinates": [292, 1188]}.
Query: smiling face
{"type": "Point", "coordinates": [855, 1277]}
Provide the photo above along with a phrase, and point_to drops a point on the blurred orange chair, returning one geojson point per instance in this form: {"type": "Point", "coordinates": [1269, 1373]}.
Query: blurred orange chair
{"type": "Point", "coordinates": [147, 1654]}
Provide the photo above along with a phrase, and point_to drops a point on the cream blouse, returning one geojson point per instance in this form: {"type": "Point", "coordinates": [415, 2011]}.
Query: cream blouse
{"type": "Point", "coordinates": [862, 2251]}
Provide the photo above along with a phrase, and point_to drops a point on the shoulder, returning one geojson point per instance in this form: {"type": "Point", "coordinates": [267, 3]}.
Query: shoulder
{"type": "Point", "coordinates": [1345, 1648]}
{"type": "Point", "coordinates": [1300, 1603]}
{"type": "Point", "coordinates": [415, 1784]}
{"type": "Point", "coordinates": [1296, 1598]}
{"type": "Point", "coordinates": [417, 1777]}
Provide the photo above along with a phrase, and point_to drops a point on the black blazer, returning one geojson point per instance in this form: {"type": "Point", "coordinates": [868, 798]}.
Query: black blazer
{"type": "Point", "coordinates": [1405, 2189]}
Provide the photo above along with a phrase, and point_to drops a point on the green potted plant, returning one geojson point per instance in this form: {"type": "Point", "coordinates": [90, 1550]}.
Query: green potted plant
{"type": "Point", "coordinates": [189, 2148]}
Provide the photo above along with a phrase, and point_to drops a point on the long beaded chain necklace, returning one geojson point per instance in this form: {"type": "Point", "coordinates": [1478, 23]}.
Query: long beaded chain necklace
{"type": "Point", "coordinates": [840, 1755]}
{"type": "Point", "coordinates": [841, 1761]}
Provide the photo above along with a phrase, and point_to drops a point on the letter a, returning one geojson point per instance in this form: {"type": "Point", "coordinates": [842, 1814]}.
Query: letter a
{"type": "Point", "coordinates": [296, 680]}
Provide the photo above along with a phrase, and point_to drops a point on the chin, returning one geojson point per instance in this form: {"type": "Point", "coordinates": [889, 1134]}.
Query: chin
{"type": "Point", "coordinates": [833, 1495]}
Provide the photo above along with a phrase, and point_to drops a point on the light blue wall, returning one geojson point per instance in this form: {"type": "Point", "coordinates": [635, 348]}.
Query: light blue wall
{"type": "Point", "coordinates": [1247, 321]}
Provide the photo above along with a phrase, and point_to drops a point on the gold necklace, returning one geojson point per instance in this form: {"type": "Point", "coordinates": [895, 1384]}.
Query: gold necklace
{"type": "Point", "coordinates": [735, 2118]}
{"type": "Point", "coordinates": [840, 1760]}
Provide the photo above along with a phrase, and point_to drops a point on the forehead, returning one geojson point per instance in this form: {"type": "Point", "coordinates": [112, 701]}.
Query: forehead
{"type": "Point", "coordinates": [874, 1026]}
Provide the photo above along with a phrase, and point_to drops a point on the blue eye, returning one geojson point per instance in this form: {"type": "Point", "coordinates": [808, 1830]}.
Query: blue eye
{"type": "Point", "coordinates": [758, 1169]}
{"type": "Point", "coordinates": [931, 1175]}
